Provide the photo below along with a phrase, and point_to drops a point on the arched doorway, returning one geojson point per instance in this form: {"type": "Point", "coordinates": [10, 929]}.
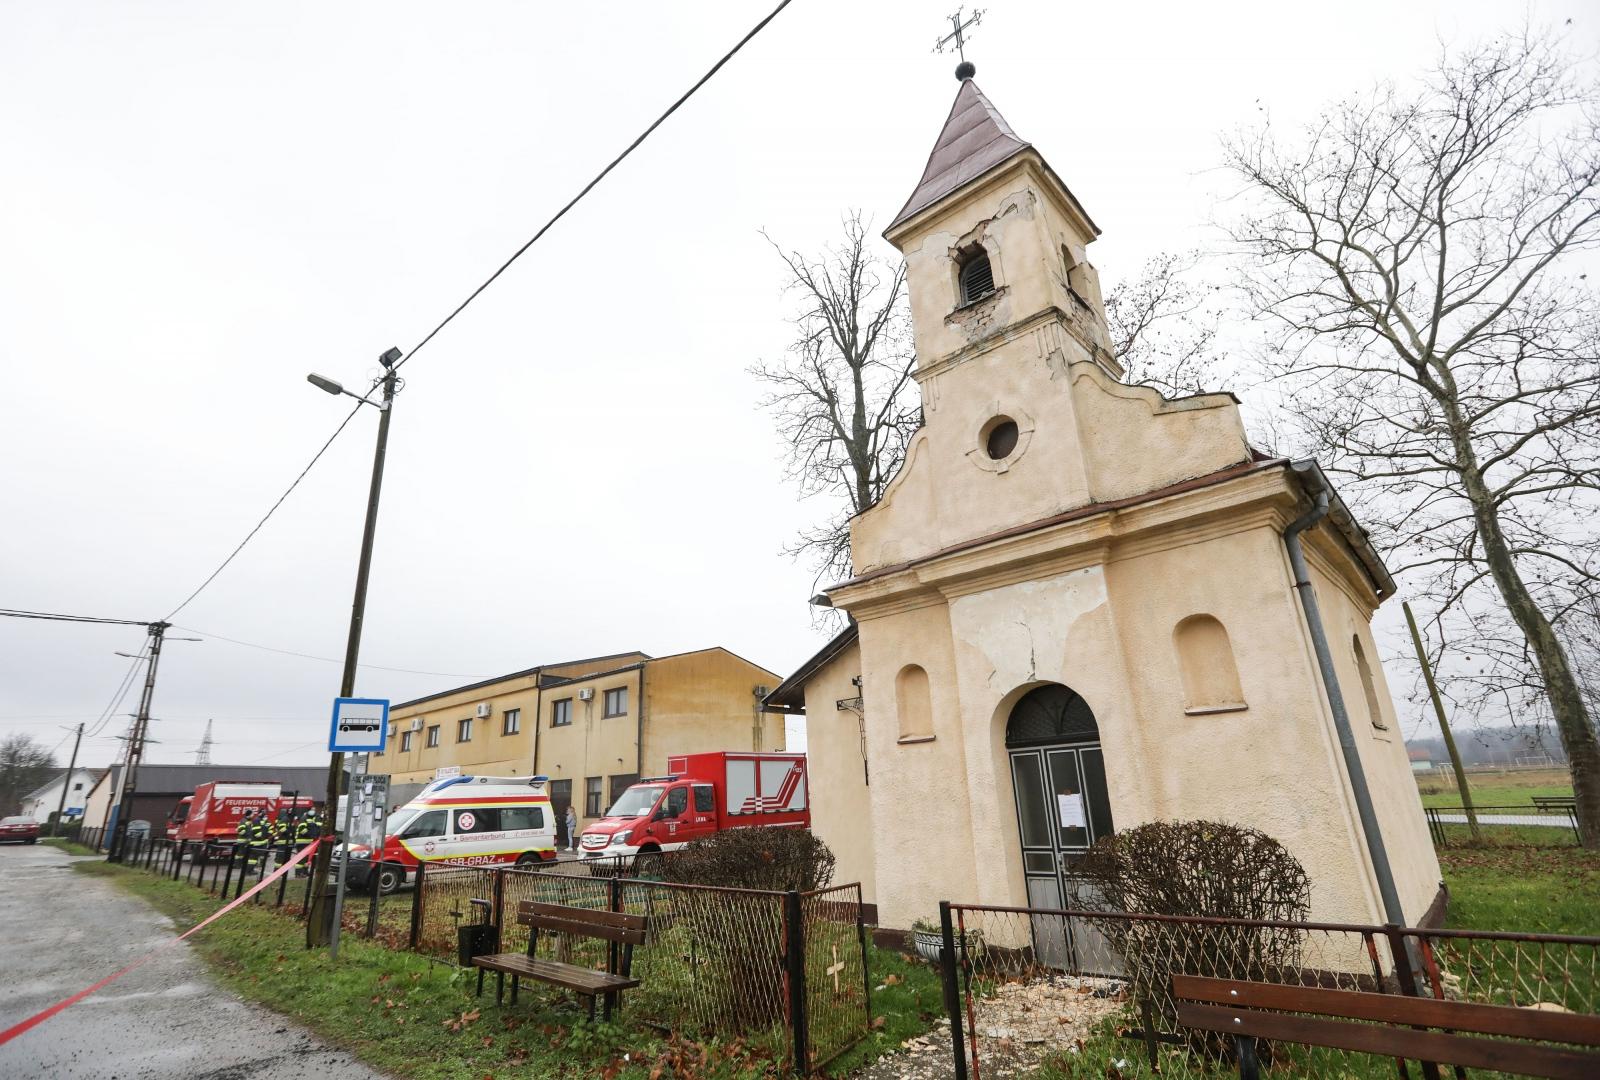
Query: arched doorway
{"type": "Point", "coordinates": [1058, 779]}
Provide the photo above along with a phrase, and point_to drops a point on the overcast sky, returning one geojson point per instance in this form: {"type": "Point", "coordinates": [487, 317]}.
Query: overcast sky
{"type": "Point", "coordinates": [200, 203]}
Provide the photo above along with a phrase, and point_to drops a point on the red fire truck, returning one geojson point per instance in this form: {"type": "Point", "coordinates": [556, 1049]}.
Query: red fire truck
{"type": "Point", "coordinates": [212, 813]}
{"type": "Point", "coordinates": [701, 795]}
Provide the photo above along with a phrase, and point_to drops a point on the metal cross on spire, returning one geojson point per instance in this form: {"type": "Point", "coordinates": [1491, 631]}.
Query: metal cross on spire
{"type": "Point", "coordinates": [957, 37]}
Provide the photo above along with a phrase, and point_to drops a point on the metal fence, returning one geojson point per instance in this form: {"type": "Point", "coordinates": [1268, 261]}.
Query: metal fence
{"type": "Point", "coordinates": [785, 970]}
{"type": "Point", "coordinates": [1555, 822]}
{"type": "Point", "coordinates": [1089, 993]}
{"type": "Point", "coordinates": [225, 871]}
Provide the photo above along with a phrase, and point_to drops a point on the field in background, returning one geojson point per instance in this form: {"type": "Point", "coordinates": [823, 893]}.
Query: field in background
{"type": "Point", "coordinates": [1494, 787]}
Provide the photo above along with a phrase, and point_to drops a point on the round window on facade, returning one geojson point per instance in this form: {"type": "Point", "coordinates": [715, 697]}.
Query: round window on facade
{"type": "Point", "coordinates": [1000, 438]}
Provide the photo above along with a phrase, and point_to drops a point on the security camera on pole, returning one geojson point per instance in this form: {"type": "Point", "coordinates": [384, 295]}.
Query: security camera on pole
{"type": "Point", "coordinates": [316, 933]}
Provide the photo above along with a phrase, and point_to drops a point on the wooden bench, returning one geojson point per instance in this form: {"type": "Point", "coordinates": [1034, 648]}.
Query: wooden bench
{"type": "Point", "coordinates": [1555, 802]}
{"type": "Point", "coordinates": [1391, 1025]}
{"type": "Point", "coordinates": [622, 930]}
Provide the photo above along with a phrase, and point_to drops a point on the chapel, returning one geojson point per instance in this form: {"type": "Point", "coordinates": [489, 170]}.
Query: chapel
{"type": "Point", "coordinates": [1075, 608]}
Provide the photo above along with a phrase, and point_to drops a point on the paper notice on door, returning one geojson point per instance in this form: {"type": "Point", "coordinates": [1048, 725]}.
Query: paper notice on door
{"type": "Point", "coordinates": [1071, 809]}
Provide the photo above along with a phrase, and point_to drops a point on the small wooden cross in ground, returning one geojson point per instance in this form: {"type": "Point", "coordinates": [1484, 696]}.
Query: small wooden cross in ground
{"type": "Point", "coordinates": [837, 966]}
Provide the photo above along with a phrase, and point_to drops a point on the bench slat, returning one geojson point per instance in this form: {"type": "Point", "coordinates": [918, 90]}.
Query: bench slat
{"type": "Point", "coordinates": [599, 916]}
{"type": "Point", "coordinates": [1574, 1028]}
{"type": "Point", "coordinates": [618, 926]}
{"type": "Point", "coordinates": [583, 979]}
{"type": "Point", "coordinates": [1521, 1059]}
{"type": "Point", "coordinates": [578, 928]}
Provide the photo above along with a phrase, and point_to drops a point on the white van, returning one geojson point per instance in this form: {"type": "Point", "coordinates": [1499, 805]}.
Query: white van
{"type": "Point", "coordinates": [462, 821]}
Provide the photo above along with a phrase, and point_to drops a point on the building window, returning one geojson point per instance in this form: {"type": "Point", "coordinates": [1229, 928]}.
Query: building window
{"type": "Point", "coordinates": [1206, 664]}
{"type": "Point", "coordinates": [433, 735]}
{"type": "Point", "coordinates": [621, 783]}
{"type": "Point", "coordinates": [914, 704]}
{"type": "Point", "coordinates": [999, 437]}
{"type": "Point", "coordinates": [1369, 686]}
{"type": "Point", "coordinates": [977, 277]}
{"type": "Point", "coordinates": [616, 702]}
{"type": "Point", "coordinates": [561, 712]}
{"type": "Point", "coordinates": [464, 730]}
{"type": "Point", "coordinates": [78, 786]}
{"type": "Point", "coordinates": [405, 741]}
{"type": "Point", "coordinates": [591, 797]}
{"type": "Point", "coordinates": [512, 721]}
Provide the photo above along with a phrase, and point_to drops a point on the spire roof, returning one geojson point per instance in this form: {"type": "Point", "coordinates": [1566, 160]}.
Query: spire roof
{"type": "Point", "coordinates": [975, 139]}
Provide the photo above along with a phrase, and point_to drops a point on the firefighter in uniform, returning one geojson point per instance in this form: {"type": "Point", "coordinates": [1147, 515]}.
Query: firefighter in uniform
{"type": "Point", "coordinates": [260, 835]}
{"type": "Point", "coordinates": [280, 830]}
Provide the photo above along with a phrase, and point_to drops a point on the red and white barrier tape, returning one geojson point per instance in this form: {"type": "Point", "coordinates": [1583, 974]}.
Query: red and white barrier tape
{"type": "Point", "coordinates": [40, 1017]}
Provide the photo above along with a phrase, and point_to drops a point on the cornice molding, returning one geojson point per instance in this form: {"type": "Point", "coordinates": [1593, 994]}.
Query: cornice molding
{"type": "Point", "coordinates": [1250, 501]}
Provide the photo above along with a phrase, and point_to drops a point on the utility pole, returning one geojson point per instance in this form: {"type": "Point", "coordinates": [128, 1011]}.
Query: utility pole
{"type": "Point", "coordinates": [1444, 725]}
{"type": "Point", "coordinates": [315, 935]}
{"type": "Point", "coordinates": [72, 767]}
{"type": "Point", "coordinates": [141, 726]}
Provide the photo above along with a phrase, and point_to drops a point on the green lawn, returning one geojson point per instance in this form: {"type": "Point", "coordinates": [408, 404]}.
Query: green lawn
{"type": "Point", "coordinates": [414, 1017]}
{"type": "Point", "coordinates": [1538, 889]}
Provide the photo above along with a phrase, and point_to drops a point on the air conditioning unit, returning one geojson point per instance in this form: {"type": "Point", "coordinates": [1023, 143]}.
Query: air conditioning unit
{"type": "Point", "coordinates": [586, 695]}
{"type": "Point", "coordinates": [484, 710]}
{"type": "Point", "coordinates": [390, 732]}
{"type": "Point", "coordinates": [416, 724]}
{"type": "Point", "coordinates": [761, 692]}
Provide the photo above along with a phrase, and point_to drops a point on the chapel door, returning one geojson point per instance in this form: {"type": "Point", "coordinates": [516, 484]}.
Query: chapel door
{"type": "Point", "coordinates": [1059, 783]}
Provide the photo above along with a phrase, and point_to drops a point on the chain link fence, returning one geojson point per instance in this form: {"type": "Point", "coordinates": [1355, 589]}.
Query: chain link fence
{"type": "Point", "coordinates": [786, 971]}
{"type": "Point", "coordinates": [1070, 993]}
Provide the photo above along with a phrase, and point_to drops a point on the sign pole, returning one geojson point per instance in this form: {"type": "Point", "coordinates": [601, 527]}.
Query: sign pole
{"type": "Point", "coordinates": [380, 811]}
{"type": "Point", "coordinates": [358, 766]}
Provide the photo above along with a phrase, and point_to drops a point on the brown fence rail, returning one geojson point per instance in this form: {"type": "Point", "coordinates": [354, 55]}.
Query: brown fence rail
{"type": "Point", "coordinates": [1070, 993]}
{"type": "Point", "coordinates": [787, 971]}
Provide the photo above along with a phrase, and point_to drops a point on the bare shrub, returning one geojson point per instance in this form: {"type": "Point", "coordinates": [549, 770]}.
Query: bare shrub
{"type": "Point", "coordinates": [775, 859]}
{"type": "Point", "coordinates": [1189, 869]}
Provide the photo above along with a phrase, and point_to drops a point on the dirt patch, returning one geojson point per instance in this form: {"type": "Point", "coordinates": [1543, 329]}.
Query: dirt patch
{"type": "Point", "coordinates": [1017, 1026]}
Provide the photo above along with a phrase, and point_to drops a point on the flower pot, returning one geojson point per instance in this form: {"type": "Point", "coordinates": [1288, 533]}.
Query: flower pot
{"type": "Point", "coordinates": [929, 943]}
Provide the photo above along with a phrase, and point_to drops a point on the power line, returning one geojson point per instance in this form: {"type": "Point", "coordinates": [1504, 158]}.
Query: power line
{"type": "Point", "coordinates": [601, 175]}
{"type": "Point", "coordinates": [329, 659]}
{"type": "Point", "coordinates": [121, 692]}
{"type": "Point", "coordinates": [51, 616]}
{"type": "Point", "coordinates": [274, 508]}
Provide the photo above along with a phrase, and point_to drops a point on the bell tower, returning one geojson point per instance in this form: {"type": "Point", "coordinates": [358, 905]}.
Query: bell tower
{"type": "Point", "coordinates": [1026, 414]}
{"type": "Point", "coordinates": [988, 196]}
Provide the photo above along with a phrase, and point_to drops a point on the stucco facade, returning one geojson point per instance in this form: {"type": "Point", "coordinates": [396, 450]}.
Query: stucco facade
{"type": "Point", "coordinates": [610, 719]}
{"type": "Point", "coordinates": [1117, 547]}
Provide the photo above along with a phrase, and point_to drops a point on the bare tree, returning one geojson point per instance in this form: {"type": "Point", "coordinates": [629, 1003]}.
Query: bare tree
{"type": "Point", "coordinates": [843, 396]}
{"type": "Point", "coordinates": [24, 765]}
{"type": "Point", "coordinates": [1418, 253]}
{"type": "Point", "coordinates": [1164, 324]}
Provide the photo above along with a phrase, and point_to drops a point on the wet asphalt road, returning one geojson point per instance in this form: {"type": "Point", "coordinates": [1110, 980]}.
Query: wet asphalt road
{"type": "Point", "coordinates": [61, 931]}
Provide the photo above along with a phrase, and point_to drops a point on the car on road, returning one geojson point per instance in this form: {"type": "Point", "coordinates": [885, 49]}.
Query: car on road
{"type": "Point", "coordinates": [19, 830]}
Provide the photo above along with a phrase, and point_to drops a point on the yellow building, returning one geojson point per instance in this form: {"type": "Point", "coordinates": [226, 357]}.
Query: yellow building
{"type": "Point", "coordinates": [1080, 605]}
{"type": "Point", "coordinates": [593, 726]}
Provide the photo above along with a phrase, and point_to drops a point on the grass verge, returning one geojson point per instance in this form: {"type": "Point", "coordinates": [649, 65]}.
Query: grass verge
{"type": "Point", "coordinates": [71, 847]}
{"type": "Point", "coordinates": [413, 1017]}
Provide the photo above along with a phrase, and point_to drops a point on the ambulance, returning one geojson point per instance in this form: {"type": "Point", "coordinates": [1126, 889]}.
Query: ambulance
{"type": "Point", "coordinates": [460, 821]}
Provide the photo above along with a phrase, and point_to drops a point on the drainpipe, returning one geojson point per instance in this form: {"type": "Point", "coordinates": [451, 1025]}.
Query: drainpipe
{"type": "Point", "coordinates": [1341, 718]}
{"type": "Point", "coordinates": [538, 715]}
{"type": "Point", "coordinates": [638, 744]}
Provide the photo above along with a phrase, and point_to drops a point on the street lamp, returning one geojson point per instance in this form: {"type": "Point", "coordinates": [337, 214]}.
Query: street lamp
{"type": "Point", "coordinates": [319, 872]}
